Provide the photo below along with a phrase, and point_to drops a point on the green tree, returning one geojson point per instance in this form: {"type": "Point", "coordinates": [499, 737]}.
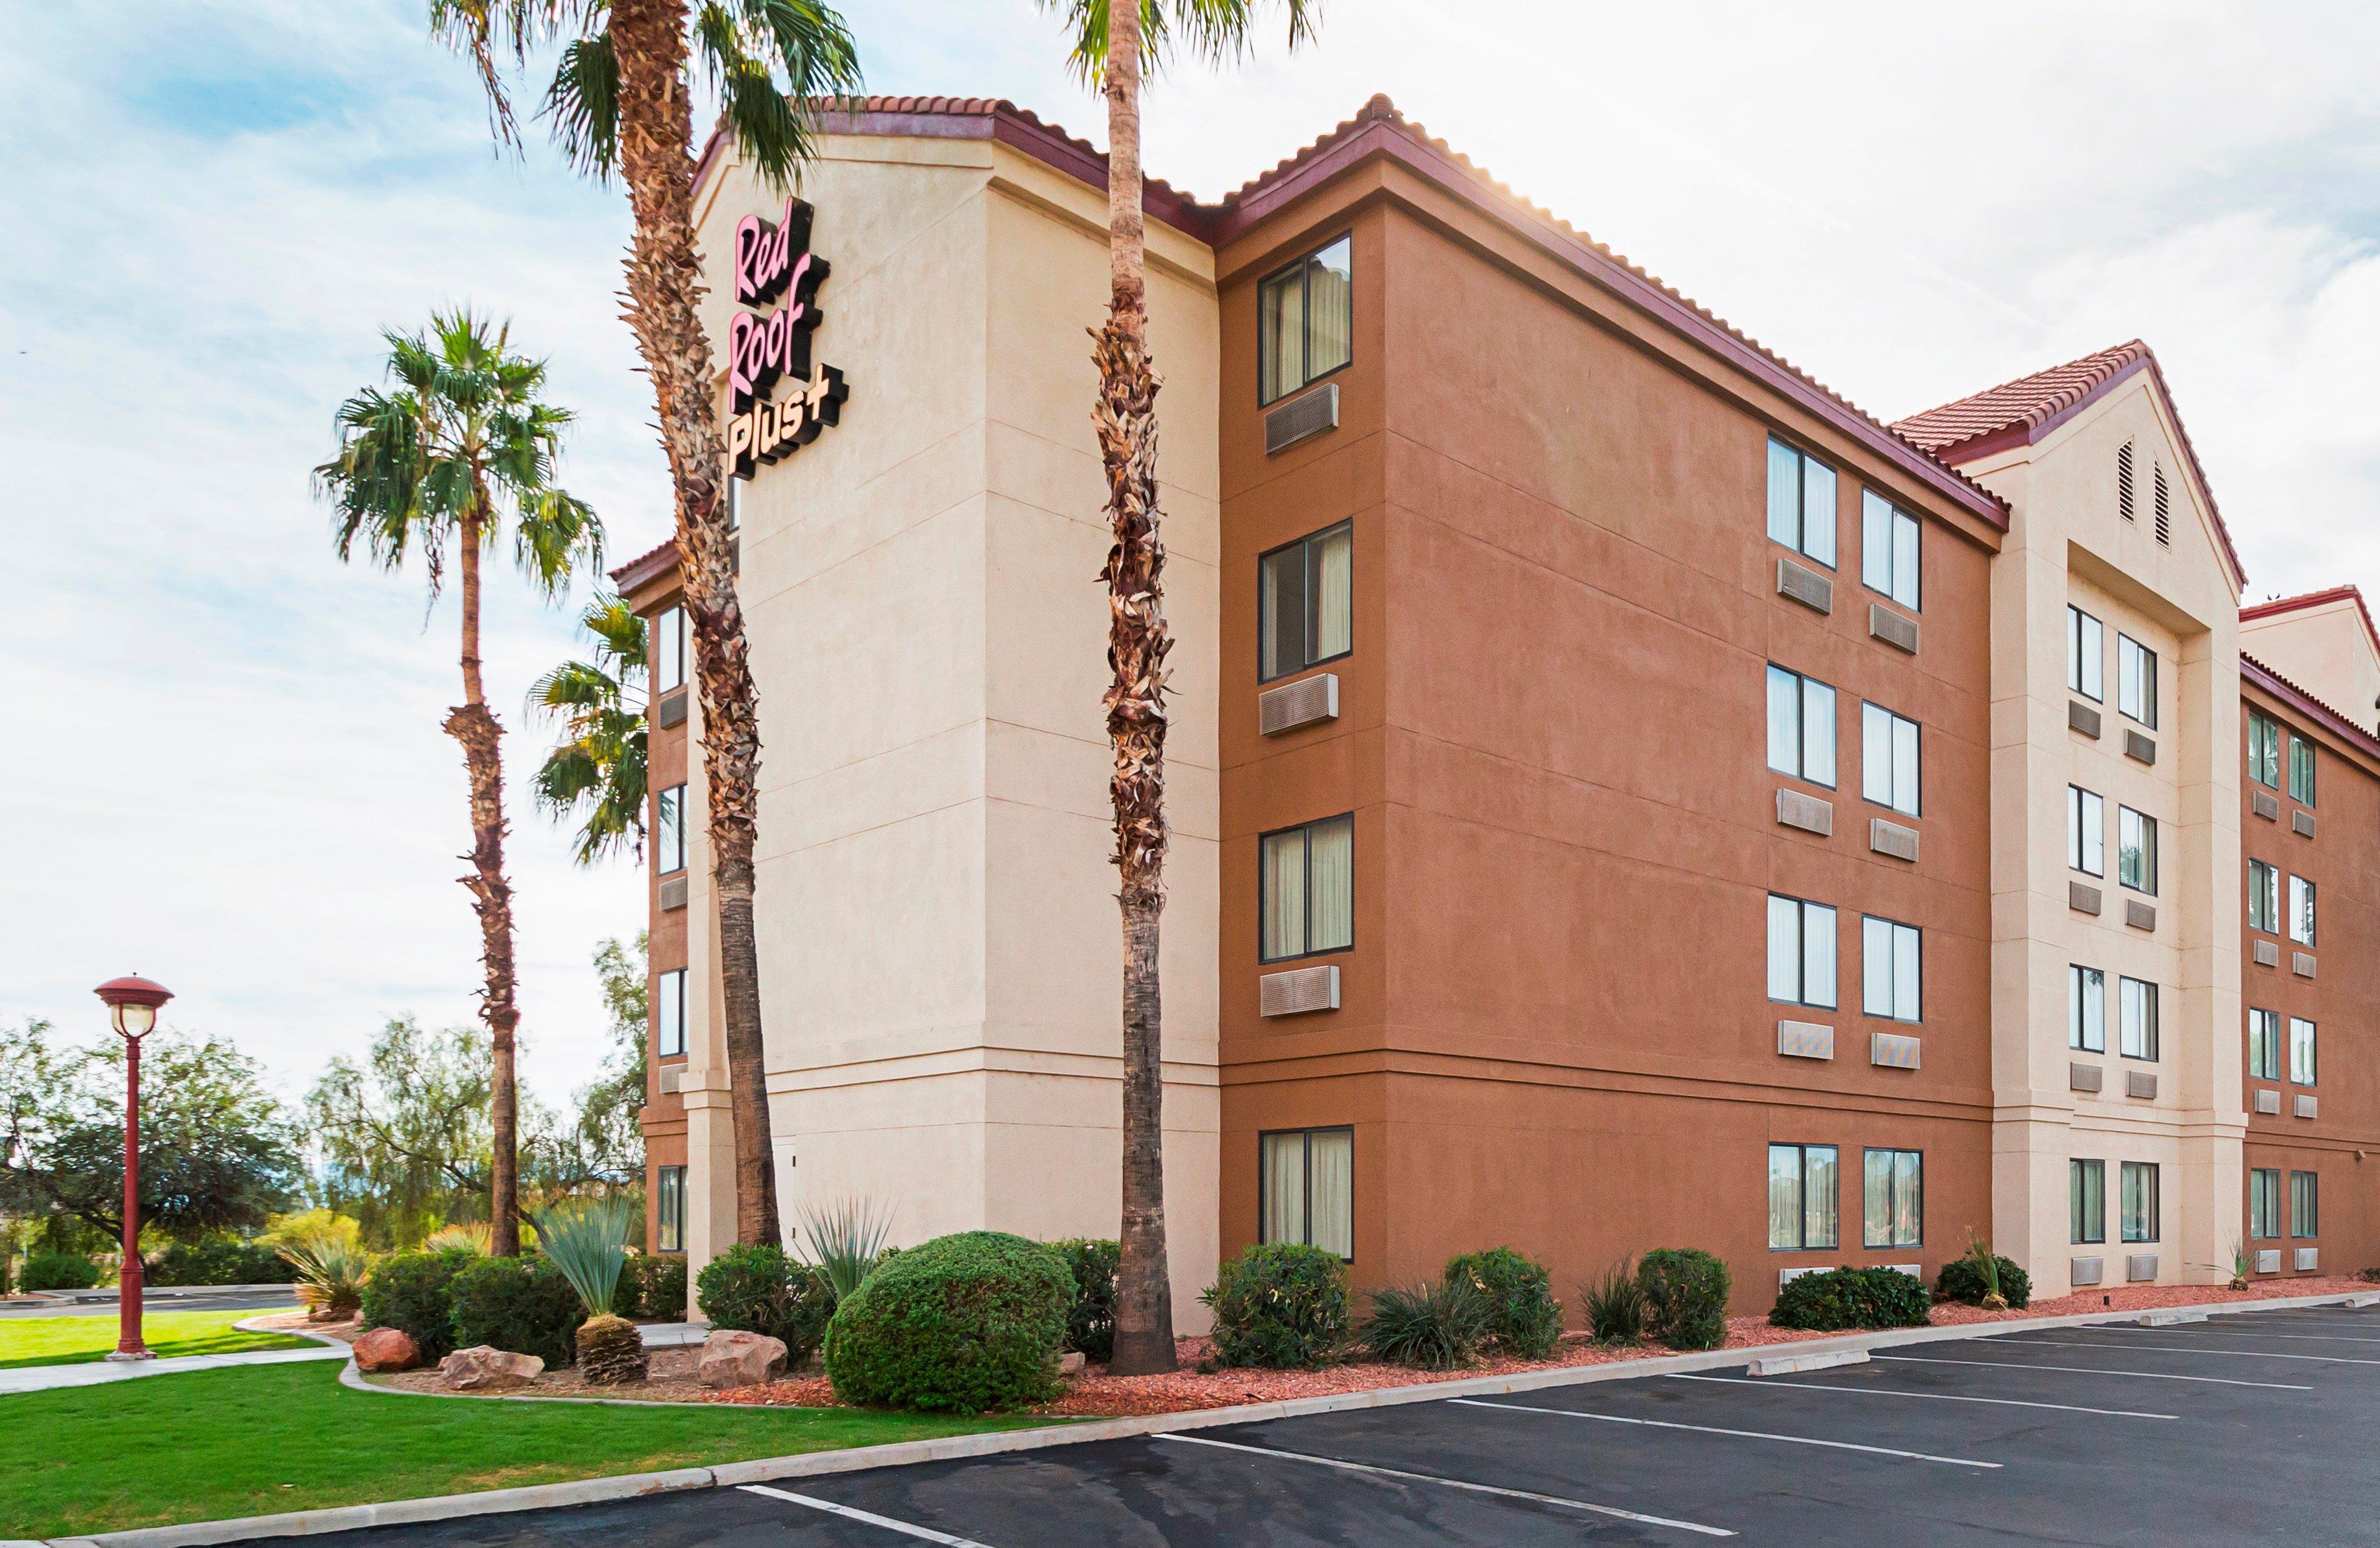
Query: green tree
{"type": "Point", "coordinates": [596, 772]}
{"type": "Point", "coordinates": [217, 1153]}
{"type": "Point", "coordinates": [460, 449]}
{"type": "Point", "coordinates": [622, 101]}
{"type": "Point", "coordinates": [1112, 46]}
{"type": "Point", "coordinates": [403, 1140]}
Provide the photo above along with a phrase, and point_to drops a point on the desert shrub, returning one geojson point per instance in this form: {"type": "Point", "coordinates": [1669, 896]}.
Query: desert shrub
{"type": "Point", "coordinates": [220, 1263]}
{"type": "Point", "coordinates": [414, 1293]}
{"type": "Point", "coordinates": [58, 1271]}
{"type": "Point", "coordinates": [331, 1270]}
{"type": "Point", "coordinates": [1428, 1326]}
{"type": "Point", "coordinates": [1835, 1300]}
{"type": "Point", "coordinates": [846, 1239]}
{"type": "Point", "coordinates": [962, 1323]}
{"type": "Point", "coordinates": [758, 1289]}
{"type": "Point", "coordinates": [522, 1305]}
{"type": "Point", "coordinates": [1685, 1297]}
{"type": "Point", "coordinates": [1962, 1279]}
{"type": "Point", "coordinates": [1280, 1305]}
{"type": "Point", "coordinates": [652, 1284]}
{"type": "Point", "coordinates": [1090, 1324]}
{"type": "Point", "coordinates": [1614, 1306]}
{"type": "Point", "coordinates": [478, 1237]}
{"type": "Point", "coordinates": [1524, 1320]}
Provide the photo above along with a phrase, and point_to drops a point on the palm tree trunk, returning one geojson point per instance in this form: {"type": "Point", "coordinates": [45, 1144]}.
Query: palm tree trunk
{"type": "Point", "coordinates": [1125, 418]}
{"type": "Point", "coordinates": [664, 281]}
{"type": "Point", "coordinates": [471, 724]}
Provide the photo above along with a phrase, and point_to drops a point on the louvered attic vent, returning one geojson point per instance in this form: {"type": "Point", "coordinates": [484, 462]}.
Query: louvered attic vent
{"type": "Point", "coordinates": [2124, 481]}
{"type": "Point", "coordinates": [2164, 516]}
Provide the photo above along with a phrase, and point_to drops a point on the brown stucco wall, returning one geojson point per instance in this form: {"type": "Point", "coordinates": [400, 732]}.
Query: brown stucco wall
{"type": "Point", "coordinates": [663, 1117]}
{"type": "Point", "coordinates": [1554, 1029]}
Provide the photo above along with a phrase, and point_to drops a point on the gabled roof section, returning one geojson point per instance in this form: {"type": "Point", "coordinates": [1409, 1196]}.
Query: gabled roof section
{"type": "Point", "coordinates": [2021, 412]}
{"type": "Point", "coordinates": [2282, 606]}
{"type": "Point", "coordinates": [2256, 673]}
{"type": "Point", "coordinates": [646, 567]}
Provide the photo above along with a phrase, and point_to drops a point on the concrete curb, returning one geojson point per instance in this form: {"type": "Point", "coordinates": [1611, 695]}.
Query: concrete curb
{"type": "Point", "coordinates": [595, 1491]}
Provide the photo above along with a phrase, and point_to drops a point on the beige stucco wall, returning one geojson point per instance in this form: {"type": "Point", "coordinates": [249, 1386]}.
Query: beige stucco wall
{"type": "Point", "coordinates": [2326, 650]}
{"type": "Point", "coordinates": [2066, 543]}
{"type": "Point", "coordinates": [940, 951]}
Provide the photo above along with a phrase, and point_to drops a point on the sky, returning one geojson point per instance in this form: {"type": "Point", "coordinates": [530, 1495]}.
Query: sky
{"type": "Point", "coordinates": [229, 756]}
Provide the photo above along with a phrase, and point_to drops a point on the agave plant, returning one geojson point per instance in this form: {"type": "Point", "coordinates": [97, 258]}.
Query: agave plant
{"type": "Point", "coordinates": [1987, 1266]}
{"type": "Point", "coordinates": [847, 1237]}
{"type": "Point", "coordinates": [329, 1276]}
{"type": "Point", "coordinates": [475, 1238]}
{"type": "Point", "coordinates": [587, 1240]}
{"type": "Point", "coordinates": [2241, 1263]}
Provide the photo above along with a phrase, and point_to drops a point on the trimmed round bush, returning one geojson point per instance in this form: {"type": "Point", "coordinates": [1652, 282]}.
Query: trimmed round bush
{"type": "Point", "coordinates": [1841, 1298]}
{"type": "Point", "coordinates": [757, 1290]}
{"type": "Point", "coordinates": [1280, 1305]}
{"type": "Point", "coordinates": [652, 1284]}
{"type": "Point", "coordinates": [58, 1271]}
{"type": "Point", "coordinates": [1090, 1324]}
{"type": "Point", "coordinates": [221, 1262]}
{"type": "Point", "coordinates": [1685, 1297]}
{"type": "Point", "coordinates": [414, 1293]}
{"type": "Point", "coordinates": [1524, 1321]}
{"type": "Point", "coordinates": [521, 1305]}
{"type": "Point", "coordinates": [1961, 1279]}
{"type": "Point", "coordinates": [965, 1324]}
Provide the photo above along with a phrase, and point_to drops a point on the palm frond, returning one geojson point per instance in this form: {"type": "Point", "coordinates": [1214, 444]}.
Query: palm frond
{"type": "Point", "coordinates": [583, 103]}
{"type": "Point", "coordinates": [746, 45]}
{"type": "Point", "coordinates": [1212, 32]}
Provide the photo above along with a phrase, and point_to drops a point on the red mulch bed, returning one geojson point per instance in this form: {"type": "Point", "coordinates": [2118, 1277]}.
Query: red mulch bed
{"type": "Point", "coordinates": [1095, 1393]}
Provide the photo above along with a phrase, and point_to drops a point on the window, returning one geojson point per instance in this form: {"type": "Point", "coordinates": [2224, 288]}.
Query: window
{"type": "Point", "coordinates": [2264, 897]}
{"type": "Point", "coordinates": [2264, 750]}
{"type": "Point", "coordinates": [1895, 1194]}
{"type": "Point", "coordinates": [2263, 1045]}
{"type": "Point", "coordinates": [669, 830]}
{"type": "Point", "coordinates": [2137, 1004]}
{"type": "Point", "coordinates": [1801, 503]}
{"type": "Point", "coordinates": [2086, 654]}
{"type": "Point", "coordinates": [1801, 952]}
{"type": "Point", "coordinates": [2086, 833]}
{"type": "Point", "coordinates": [1888, 758]}
{"type": "Point", "coordinates": [1801, 726]}
{"type": "Point", "coordinates": [2136, 688]}
{"type": "Point", "coordinates": [669, 649]}
{"type": "Point", "coordinates": [2305, 1204]}
{"type": "Point", "coordinates": [1307, 602]}
{"type": "Point", "coordinates": [1890, 968]}
{"type": "Point", "coordinates": [2264, 1202]}
{"type": "Point", "coordinates": [669, 1014]}
{"type": "Point", "coordinates": [2136, 851]}
{"type": "Point", "coordinates": [669, 1209]}
{"type": "Point", "coordinates": [2086, 1009]}
{"type": "Point", "coordinates": [2086, 1200]}
{"type": "Point", "coordinates": [1308, 1188]}
{"type": "Point", "coordinates": [739, 491]}
{"type": "Point", "coordinates": [2301, 910]}
{"type": "Point", "coordinates": [1802, 1187]}
{"type": "Point", "coordinates": [1308, 897]}
{"type": "Point", "coordinates": [1887, 549]}
{"type": "Point", "coordinates": [1305, 321]}
{"type": "Point", "coordinates": [2139, 1201]}
{"type": "Point", "coordinates": [2300, 1051]}
{"type": "Point", "coordinates": [2301, 774]}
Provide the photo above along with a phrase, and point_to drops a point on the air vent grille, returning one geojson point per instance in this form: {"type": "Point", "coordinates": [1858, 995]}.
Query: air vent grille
{"type": "Point", "coordinates": [2164, 512]}
{"type": "Point", "coordinates": [1309, 414]}
{"type": "Point", "coordinates": [2124, 481]}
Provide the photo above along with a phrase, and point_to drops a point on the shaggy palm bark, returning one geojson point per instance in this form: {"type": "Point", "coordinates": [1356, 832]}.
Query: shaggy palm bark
{"type": "Point", "coordinates": [1125, 418]}
{"type": "Point", "coordinates": [611, 1351]}
{"type": "Point", "coordinates": [664, 281]}
{"type": "Point", "coordinates": [471, 724]}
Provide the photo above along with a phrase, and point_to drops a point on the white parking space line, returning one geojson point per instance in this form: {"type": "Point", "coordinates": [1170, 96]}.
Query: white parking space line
{"type": "Point", "coordinates": [1739, 1434]}
{"type": "Point", "coordinates": [1455, 1483]}
{"type": "Point", "coordinates": [2186, 1350]}
{"type": "Point", "coordinates": [2091, 1370]}
{"type": "Point", "coordinates": [1774, 1384]}
{"type": "Point", "coordinates": [925, 1534]}
{"type": "Point", "coordinates": [2259, 1333]}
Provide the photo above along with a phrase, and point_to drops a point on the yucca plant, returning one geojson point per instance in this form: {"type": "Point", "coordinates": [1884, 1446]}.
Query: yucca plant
{"type": "Point", "coordinates": [1614, 1306]}
{"type": "Point", "coordinates": [330, 1276]}
{"type": "Point", "coordinates": [475, 1238]}
{"type": "Point", "coordinates": [1988, 1268]}
{"type": "Point", "coordinates": [587, 1241]}
{"type": "Point", "coordinates": [2240, 1264]}
{"type": "Point", "coordinates": [847, 1237]}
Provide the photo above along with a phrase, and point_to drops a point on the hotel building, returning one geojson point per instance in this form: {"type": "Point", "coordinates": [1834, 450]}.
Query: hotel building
{"type": "Point", "coordinates": [1623, 795]}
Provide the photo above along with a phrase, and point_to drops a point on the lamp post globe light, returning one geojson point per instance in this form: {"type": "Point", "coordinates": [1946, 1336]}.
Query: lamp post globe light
{"type": "Point", "coordinates": [132, 1009]}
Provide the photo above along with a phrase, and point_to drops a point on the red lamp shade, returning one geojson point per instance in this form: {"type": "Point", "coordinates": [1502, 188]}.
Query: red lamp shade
{"type": "Point", "coordinates": [132, 1003]}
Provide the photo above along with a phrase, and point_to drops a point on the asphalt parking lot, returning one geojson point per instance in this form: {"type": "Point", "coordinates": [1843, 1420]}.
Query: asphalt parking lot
{"type": "Point", "coordinates": [102, 1302]}
{"type": "Point", "coordinates": [2253, 1428]}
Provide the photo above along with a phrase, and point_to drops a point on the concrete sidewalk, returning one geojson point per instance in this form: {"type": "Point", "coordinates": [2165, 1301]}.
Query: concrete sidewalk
{"type": "Point", "coordinates": [46, 1378]}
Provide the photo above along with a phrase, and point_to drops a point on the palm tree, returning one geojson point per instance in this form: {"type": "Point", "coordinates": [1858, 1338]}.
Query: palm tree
{"type": "Point", "coordinates": [596, 772]}
{"type": "Point", "coordinates": [1111, 45]}
{"type": "Point", "coordinates": [458, 448]}
{"type": "Point", "coordinates": [621, 100]}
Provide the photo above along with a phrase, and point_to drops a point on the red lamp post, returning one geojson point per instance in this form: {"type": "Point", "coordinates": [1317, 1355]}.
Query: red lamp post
{"type": "Point", "coordinates": [132, 1008]}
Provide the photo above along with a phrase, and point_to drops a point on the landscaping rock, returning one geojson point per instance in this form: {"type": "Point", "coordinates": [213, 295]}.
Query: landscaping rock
{"type": "Point", "coordinates": [386, 1349]}
{"type": "Point", "coordinates": [1071, 1363]}
{"type": "Point", "coordinates": [483, 1368]}
{"type": "Point", "coordinates": [732, 1358]}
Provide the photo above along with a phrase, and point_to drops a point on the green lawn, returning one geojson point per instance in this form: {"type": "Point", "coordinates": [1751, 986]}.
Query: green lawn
{"type": "Point", "coordinates": [216, 1443]}
{"type": "Point", "coordinates": [71, 1340]}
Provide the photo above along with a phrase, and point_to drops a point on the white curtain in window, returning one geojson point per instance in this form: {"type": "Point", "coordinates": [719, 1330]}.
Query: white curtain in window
{"type": "Point", "coordinates": [1784, 495]}
{"type": "Point", "coordinates": [1904, 765]}
{"type": "Point", "coordinates": [1334, 587]}
{"type": "Point", "coordinates": [1785, 1196]}
{"type": "Point", "coordinates": [1330, 1157]}
{"type": "Point", "coordinates": [1876, 754]}
{"type": "Point", "coordinates": [1818, 510]}
{"type": "Point", "coordinates": [1331, 301]}
{"type": "Point", "coordinates": [1284, 1158]}
{"type": "Point", "coordinates": [1817, 732]}
{"type": "Point", "coordinates": [1784, 949]}
{"type": "Point", "coordinates": [1281, 324]}
{"type": "Point", "coordinates": [1820, 1186]}
{"type": "Point", "coordinates": [1784, 721]}
{"type": "Point", "coordinates": [2301, 1069]}
{"type": "Point", "coordinates": [1284, 894]}
{"type": "Point", "coordinates": [1876, 1199]}
{"type": "Point", "coordinates": [1875, 542]}
{"type": "Point", "coordinates": [1904, 559]}
{"type": "Point", "coordinates": [1332, 867]}
{"type": "Point", "coordinates": [1818, 955]}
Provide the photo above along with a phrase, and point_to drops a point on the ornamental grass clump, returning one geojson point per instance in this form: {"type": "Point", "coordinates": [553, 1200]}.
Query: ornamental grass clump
{"type": "Point", "coordinates": [1685, 1297]}
{"type": "Point", "coordinates": [586, 1241]}
{"type": "Point", "coordinates": [1524, 1321]}
{"type": "Point", "coordinates": [847, 1237]}
{"type": "Point", "coordinates": [475, 1240]}
{"type": "Point", "coordinates": [965, 1324]}
{"type": "Point", "coordinates": [1834, 1300]}
{"type": "Point", "coordinates": [331, 1272]}
{"type": "Point", "coordinates": [1280, 1305]}
{"type": "Point", "coordinates": [1614, 1306]}
{"type": "Point", "coordinates": [1430, 1326]}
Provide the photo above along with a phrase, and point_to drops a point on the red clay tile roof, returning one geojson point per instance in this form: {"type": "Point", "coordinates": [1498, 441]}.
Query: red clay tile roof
{"type": "Point", "coordinates": [646, 566]}
{"type": "Point", "coordinates": [2022, 411]}
{"type": "Point", "coordinates": [2299, 603]}
{"type": "Point", "coordinates": [2256, 674]}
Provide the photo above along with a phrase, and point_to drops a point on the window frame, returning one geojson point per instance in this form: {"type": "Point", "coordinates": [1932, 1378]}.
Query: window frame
{"type": "Point", "coordinates": [2269, 1179]}
{"type": "Point", "coordinates": [675, 614]}
{"type": "Point", "coordinates": [1802, 1185]}
{"type": "Point", "coordinates": [1310, 543]}
{"type": "Point", "coordinates": [667, 802]}
{"type": "Point", "coordinates": [1800, 543]}
{"type": "Point", "coordinates": [1306, 893]}
{"type": "Point", "coordinates": [1802, 907]}
{"type": "Point", "coordinates": [2143, 710]}
{"type": "Point", "coordinates": [2080, 1231]}
{"type": "Point", "coordinates": [1893, 518]}
{"type": "Point", "coordinates": [1893, 722]}
{"type": "Point", "coordinates": [1305, 1148]}
{"type": "Point", "coordinates": [2080, 801]}
{"type": "Point", "coordinates": [2148, 998]}
{"type": "Point", "coordinates": [1804, 683]}
{"type": "Point", "coordinates": [1303, 266]}
{"type": "Point", "coordinates": [1867, 1234]}
{"type": "Point", "coordinates": [1896, 931]}
{"type": "Point", "coordinates": [2302, 745]}
{"type": "Point", "coordinates": [669, 1209]}
{"type": "Point", "coordinates": [2311, 1046]}
{"type": "Point", "coordinates": [2263, 748]}
{"type": "Point", "coordinates": [2150, 1174]}
{"type": "Point", "coordinates": [2264, 1035]}
{"type": "Point", "coordinates": [2269, 895]}
{"type": "Point", "coordinates": [2084, 668]}
{"type": "Point", "coordinates": [2307, 1211]}
{"type": "Point", "coordinates": [2078, 986]}
{"type": "Point", "coordinates": [2301, 910]}
{"type": "Point", "coordinates": [2145, 879]}
{"type": "Point", "coordinates": [669, 988]}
